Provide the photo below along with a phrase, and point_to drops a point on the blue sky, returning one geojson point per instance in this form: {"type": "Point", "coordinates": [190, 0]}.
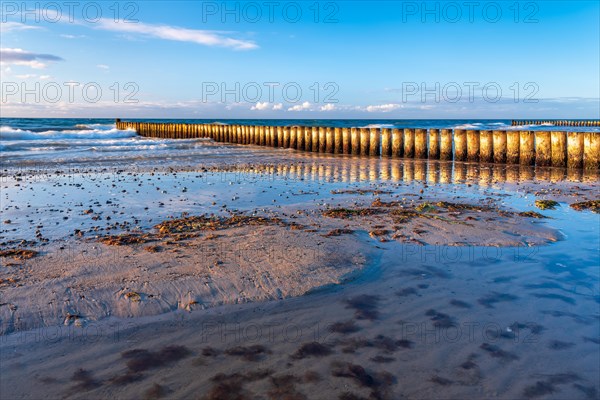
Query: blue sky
{"type": "Point", "coordinates": [344, 59]}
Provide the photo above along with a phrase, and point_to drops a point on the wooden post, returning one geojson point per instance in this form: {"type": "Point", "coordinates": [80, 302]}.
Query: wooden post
{"type": "Point", "coordinates": [279, 131]}
{"type": "Point", "coordinates": [308, 138]}
{"type": "Point", "coordinates": [301, 138]}
{"type": "Point", "coordinates": [543, 149]}
{"type": "Point", "coordinates": [591, 151]}
{"type": "Point", "coordinates": [329, 147]}
{"type": "Point", "coordinates": [286, 137]}
{"type": "Point", "coordinates": [273, 136]}
{"type": "Point", "coordinates": [322, 140]}
{"type": "Point", "coordinates": [575, 144]}
{"type": "Point", "coordinates": [446, 145]}
{"type": "Point", "coordinates": [262, 136]}
{"type": "Point", "coordinates": [460, 145]}
{"type": "Point", "coordinates": [337, 141]}
{"type": "Point", "coordinates": [526, 148]}
{"type": "Point", "coordinates": [513, 147]}
{"type": "Point", "coordinates": [473, 145]}
{"type": "Point", "coordinates": [355, 141]}
{"type": "Point", "coordinates": [346, 147]}
{"type": "Point", "coordinates": [386, 142]}
{"type": "Point", "coordinates": [315, 139]}
{"type": "Point", "coordinates": [409, 143]}
{"type": "Point", "coordinates": [559, 148]}
{"type": "Point", "coordinates": [499, 147]}
{"type": "Point", "coordinates": [421, 143]}
{"type": "Point", "coordinates": [434, 144]}
{"type": "Point", "coordinates": [364, 141]}
{"type": "Point", "coordinates": [374, 142]}
{"type": "Point", "coordinates": [397, 143]}
{"type": "Point", "coordinates": [486, 147]}
{"type": "Point", "coordinates": [293, 137]}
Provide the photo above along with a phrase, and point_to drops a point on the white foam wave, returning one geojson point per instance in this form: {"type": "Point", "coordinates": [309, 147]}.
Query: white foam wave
{"type": "Point", "coordinates": [91, 132]}
{"type": "Point", "coordinates": [379, 126]}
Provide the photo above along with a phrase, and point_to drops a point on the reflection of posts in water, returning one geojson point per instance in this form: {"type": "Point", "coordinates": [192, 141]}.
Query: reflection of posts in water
{"type": "Point", "coordinates": [543, 173]}
{"type": "Point", "coordinates": [591, 150]}
{"type": "Point", "coordinates": [397, 172]}
{"type": "Point", "coordinates": [446, 145]}
{"type": "Point", "coordinates": [543, 149]}
{"type": "Point", "coordinates": [421, 143]}
{"type": "Point", "coordinates": [486, 147]}
{"type": "Point", "coordinates": [385, 171]}
{"type": "Point", "coordinates": [408, 171]}
{"type": "Point", "coordinates": [499, 173]}
{"type": "Point", "coordinates": [460, 172]}
{"type": "Point", "coordinates": [434, 144]}
{"type": "Point", "coordinates": [420, 170]}
{"type": "Point", "coordinates": [445, 172]}
{"type": "Point", "coordinates": [485, 175]}
{"type": "Point", "coordinates": [374, 169]}
{"type": "Point", "coordinates": [397, 143]}
{"type": "Point", "coordinates": [409, 143]}
{"type": "Point", "coordinates": [473, 145]}
{"type": "Point", "coordinates": [433, 170]}
{"type": "Point", "coordinates": [386, 142]}
{"type": "Point", "coordinates": [512, 173]}
{"type": "Point", "coordinates": [526, 173]}
{"type": "Point", "coordinates": [526, 148]}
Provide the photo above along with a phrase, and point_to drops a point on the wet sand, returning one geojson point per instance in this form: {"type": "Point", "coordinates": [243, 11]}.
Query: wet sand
{"type": "Point", "coordinates": [340, 282]}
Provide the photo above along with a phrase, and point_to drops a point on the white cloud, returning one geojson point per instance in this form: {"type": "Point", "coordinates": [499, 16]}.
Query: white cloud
{"type": "Point", "coordinates": [26, 58]}
{"type": "Point", "coordinates": [328, 107]}
{"type": "Point", "coordinates": [103, 66]}
{"type": "Point", "coordinates": [266, 105]}
{"type": "Point", "coordinates": [203, 37]}
{"type": "Point", "coordinates": [300, 107]}
{"type": "Point", "coordinates": [260, 106]}
{"type": "Point", "coordinates": [11, 26]}
{"type": "Point", "coordinates": [383, 107]}
{"type": "Point", "coordinates": [66, 36]}
{"type": "Point", "coordinates": [26, 76]}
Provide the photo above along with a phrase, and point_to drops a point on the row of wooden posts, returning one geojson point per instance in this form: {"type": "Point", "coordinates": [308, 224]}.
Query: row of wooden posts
{"type": "Point", "coordinates": [540, 148]}
{"type": "Point", "coordinates": [556, 122]}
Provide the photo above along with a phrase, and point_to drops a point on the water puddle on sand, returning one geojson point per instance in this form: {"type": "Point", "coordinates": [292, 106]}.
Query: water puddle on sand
{"type": "Point", "coordinates": [422, 321]}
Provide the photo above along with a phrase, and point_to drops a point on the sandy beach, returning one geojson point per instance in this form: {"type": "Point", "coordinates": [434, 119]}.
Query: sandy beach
{"type": "Point", "coordinates": [301, 278]}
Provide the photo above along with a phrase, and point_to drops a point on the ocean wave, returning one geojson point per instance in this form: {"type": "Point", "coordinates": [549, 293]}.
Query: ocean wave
{"type": "Point", "coordinates": [379, 126]}
{"type": "Point", "coordinates": [91, 132]}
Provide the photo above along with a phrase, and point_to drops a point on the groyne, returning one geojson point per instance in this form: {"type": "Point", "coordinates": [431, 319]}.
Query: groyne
{"type": "Point", "coordinates": [574, 150]}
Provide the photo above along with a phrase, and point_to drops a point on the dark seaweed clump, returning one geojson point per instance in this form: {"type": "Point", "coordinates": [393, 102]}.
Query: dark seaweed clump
{"type": "Point", "coordinates": [312, 349]}
{"type": "Point", "coordinates": [365, 306]}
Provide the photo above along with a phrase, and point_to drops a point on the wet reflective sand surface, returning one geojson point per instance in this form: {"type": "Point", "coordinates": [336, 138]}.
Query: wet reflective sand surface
{"type": "Point", "coordinates": [416, 319]}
